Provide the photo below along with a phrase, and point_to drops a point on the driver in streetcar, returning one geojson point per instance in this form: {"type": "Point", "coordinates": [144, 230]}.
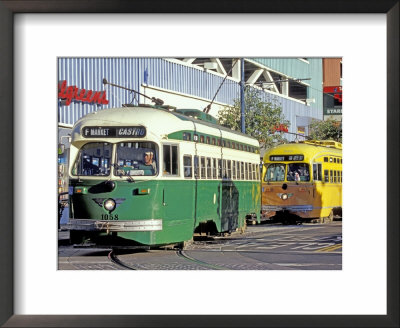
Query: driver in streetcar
{"type": "Point", "coordinates": [149, 161]}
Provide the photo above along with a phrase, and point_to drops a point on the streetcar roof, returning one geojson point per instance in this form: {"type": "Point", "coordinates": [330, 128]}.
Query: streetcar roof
{"type": "Point", "coordinates": [309, 150]}
{"type": "Point", "coordinates": [157, 121]}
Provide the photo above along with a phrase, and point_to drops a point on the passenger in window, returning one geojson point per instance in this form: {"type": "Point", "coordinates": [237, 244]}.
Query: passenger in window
{"type": "Point", "coordinates": [149, 161]}
{"type": "Point", "coordinates": [188, 172]}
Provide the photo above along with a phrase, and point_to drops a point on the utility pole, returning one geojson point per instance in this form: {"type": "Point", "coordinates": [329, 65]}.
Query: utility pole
{"type": "Point", "coordinates": [242, 95]}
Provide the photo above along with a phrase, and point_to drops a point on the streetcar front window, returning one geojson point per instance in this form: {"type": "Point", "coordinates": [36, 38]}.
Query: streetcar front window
{"type": "Point", "coordinates": [93, 160]}
{"type": "Point", "coordinates": [298, 172]}
{"type": "Point", "coordinates": [136, 158]}
{"type": "Point", "coordinates": [275, 172]}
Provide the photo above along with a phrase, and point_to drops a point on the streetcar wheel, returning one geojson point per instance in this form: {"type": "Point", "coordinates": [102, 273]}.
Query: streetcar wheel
{"type": "Point", "coordinates": [317, 220]}
{"type": "Point", "coordinates": [329, 218]}
{"type": "Point", "coordinates": [185, 244]}
{"type": "Point", "coordinates": [76, 237]}
{"type": "Point", "coordinates": [243, 228]}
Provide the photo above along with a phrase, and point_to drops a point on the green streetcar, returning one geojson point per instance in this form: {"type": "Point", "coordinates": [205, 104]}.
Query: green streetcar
{"type": "Point", "coordinates": [151, 175]}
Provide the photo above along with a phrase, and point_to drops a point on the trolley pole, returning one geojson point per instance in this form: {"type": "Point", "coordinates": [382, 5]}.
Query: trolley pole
{"type": "Point", "coordinates": [242, 95]}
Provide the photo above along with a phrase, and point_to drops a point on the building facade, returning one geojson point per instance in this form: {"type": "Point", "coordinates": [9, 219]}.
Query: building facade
{"type": "Point", "coordinates": [333, 89]}
{"type": "Point", "coordinates": [294, 83]}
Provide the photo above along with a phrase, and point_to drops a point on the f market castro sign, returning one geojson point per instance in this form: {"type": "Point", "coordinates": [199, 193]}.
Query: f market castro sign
{"type": "Point", "coordinates": [69, 93]}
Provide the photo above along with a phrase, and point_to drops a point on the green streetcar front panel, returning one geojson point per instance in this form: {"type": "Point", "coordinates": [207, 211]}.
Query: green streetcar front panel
{"type": "Point", "coordinates": [172, 202]}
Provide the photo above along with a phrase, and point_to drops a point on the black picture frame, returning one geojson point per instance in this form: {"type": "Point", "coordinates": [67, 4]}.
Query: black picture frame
{"type": "Point", "coordinates": [7, 197]}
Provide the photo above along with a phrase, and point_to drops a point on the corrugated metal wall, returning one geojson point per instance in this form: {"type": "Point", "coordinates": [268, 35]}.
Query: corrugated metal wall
{"type": "Point", "coordinates": [296, 68]}
{"type": "Point", "coordinates": [88, 73]}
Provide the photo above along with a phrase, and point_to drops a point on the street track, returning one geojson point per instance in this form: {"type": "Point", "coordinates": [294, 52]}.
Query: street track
{"type": "Point", "coordinates": [114, 259]}
{"type": "Point", "coordinates": [312, 247]}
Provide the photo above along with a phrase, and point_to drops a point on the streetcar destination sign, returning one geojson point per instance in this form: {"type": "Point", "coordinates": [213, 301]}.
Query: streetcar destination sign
{"type": "Point", "coordinates": [286, 158]}
{"type": "Point", "coordinates": [113, 131]}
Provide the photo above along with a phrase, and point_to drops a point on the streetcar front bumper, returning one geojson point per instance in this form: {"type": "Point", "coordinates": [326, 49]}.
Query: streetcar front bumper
{"type": "Point", "coordinates": [289, 208]}
{"type": "Point", "coordinates": [115, 226]}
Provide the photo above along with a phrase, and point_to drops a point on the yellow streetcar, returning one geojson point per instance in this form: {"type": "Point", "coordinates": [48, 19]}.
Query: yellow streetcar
{"type": "Point", "coordinates": [303, 181]}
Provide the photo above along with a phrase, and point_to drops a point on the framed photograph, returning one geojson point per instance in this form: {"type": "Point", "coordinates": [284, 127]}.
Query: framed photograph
{"type": "Point", "coordinates": [34, 35]}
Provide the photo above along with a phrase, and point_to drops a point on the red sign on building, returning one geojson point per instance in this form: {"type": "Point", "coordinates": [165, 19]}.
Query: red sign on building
{"type": "Point", "coordinates": [70, 93]}
{"type": "Point", "coordinates": [336, 91]}
{"type": "Point", "coordinates": [281, 128]}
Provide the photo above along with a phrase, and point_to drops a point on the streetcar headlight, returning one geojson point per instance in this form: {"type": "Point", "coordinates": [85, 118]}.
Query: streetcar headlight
{"type": "Point", "coordinates": [109, 204]}
{"type": "Point", "coordinates": [284, 196]}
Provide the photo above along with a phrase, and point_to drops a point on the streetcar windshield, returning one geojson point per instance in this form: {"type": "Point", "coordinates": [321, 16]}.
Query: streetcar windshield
{"type": "Point", "coordinates": [136, 158]}
{"type": "Point", "coordinates": [275, 172]}
{"type": "Point", "coordinates": [298, 172]}
{"type": "Point", "coordinates": [93, 159]}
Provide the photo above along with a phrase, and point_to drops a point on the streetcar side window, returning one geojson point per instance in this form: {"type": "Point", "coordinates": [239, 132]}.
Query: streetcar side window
{"type": "Point", "coordinates": [317, 172]}
{"type": "Point", "coordinates": [213, 142]}
{"type": "Point", "coordinates": [208, 164]}
{"type": "Point", "coordinates": [326, 175]}
{"type": "Point", "coordinates": [93, 159]}
{"type": "Point", "coordinates": [224, 175]}
{"type": "Point", "coordinates": [250, 172]}
{"type": "Point", "coordinates": [196, 167]}
{"type": "Point", "coordinates": [202, 167]}
{"type": "Point", "coordinates": [187, 166]}
{"type": "Point", "coordinates": [229, 171]}
{"type": "Point", "coordinates": [170, 159]}
{"type": "Point", "coordinates": [214, 168]}
{"type": "Point", "coordinates": [233, 170]}
{"type": "Point", "coordinates": [242, 171]}
{"type": "Point", "coordinates": [331, 175]}
{"type": "Point", "coordinates": [219, 171]}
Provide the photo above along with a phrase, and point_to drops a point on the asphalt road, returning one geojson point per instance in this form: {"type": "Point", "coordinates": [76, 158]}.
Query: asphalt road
{"type": "Point", "coordinates": [261, 247]}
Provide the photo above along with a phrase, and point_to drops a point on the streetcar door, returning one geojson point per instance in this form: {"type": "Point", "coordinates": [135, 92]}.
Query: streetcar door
{"type": "Point", "coordinates": [229, 206]}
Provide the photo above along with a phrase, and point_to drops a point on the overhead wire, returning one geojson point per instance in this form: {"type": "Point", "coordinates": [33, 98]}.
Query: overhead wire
{"type": "Point", "coordinates": [208, 107]}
